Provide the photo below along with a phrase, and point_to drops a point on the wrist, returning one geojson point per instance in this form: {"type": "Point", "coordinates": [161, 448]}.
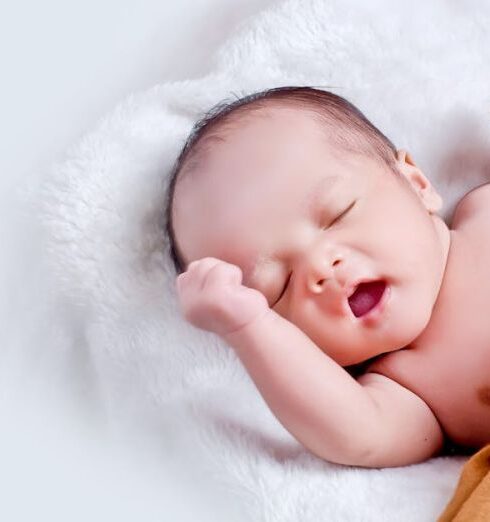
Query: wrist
{"type": "Point", "coordinates": [250, 331]}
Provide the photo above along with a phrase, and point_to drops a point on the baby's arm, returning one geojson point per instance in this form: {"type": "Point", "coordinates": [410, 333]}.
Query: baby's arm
{"type": "Point", "coordinates": [372, 422]}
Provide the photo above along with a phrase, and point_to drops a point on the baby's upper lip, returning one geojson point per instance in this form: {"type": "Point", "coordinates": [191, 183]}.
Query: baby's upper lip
{"type": "Point", "coordinates": [351, 288]}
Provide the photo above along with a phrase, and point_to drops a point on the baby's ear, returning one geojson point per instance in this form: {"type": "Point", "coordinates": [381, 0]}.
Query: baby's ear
{"type": "Point", "coordinates": [418, 182]}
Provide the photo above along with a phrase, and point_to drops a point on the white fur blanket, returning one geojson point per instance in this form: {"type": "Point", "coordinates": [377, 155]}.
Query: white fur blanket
{"type": "Point", "coordinates": [421, 74]}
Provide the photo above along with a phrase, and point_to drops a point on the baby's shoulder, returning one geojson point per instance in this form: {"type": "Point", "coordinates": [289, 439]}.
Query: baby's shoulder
{"type": "Point", "coordinates": [474, 206]}
{"type": "Point", "coordinates": [399, 365]}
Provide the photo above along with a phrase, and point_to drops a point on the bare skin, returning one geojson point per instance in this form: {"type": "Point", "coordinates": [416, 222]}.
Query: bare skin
{"type": "Point", "coordinates": [447, 366]}
{"type": "Point", "coordinates": [268, 195]}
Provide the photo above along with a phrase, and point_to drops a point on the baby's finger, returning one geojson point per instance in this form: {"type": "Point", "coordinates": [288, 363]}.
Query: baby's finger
{"type": "Point", "coordinates": [196, 273]}
{"type": "Point", "coordinates": [203, 264]}
{"type": "Point", "coordinates": [225, 273]}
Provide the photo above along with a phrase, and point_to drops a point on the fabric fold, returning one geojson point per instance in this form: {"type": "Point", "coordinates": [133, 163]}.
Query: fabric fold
{"type": "Point", "coordinates": [471, 499]}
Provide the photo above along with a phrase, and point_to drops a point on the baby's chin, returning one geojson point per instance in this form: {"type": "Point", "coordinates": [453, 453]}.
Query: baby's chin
{"type": "Point", "coordinates": [363, 355]}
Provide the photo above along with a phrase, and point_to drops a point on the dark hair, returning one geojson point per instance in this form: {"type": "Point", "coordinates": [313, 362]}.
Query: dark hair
{"type": "Point", "coordinates": [347, 127]}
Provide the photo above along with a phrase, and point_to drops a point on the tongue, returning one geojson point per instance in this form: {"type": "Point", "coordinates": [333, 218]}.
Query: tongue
{"type": "Point", "coordinates": [366, 297]}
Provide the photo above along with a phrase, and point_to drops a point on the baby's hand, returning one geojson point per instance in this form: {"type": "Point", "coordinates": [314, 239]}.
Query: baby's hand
{"type": "Point", "coordinates": [212, 297]}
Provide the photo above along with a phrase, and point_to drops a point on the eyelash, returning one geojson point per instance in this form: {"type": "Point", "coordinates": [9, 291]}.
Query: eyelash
{"type": "Point", "coordinates": [340, 215]}
{"type": "Point", "coordinates": [324, 228]}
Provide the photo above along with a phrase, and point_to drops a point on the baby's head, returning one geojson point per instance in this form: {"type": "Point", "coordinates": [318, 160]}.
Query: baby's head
{"type": "Point", "coordinates": [296, 187]}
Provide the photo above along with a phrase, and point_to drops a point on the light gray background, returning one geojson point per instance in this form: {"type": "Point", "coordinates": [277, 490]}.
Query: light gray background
{"type": "Point", "coordinates": [64, 65]}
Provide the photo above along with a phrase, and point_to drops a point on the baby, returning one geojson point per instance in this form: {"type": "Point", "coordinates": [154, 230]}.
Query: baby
{"type": "Point", "coordinates": [314, 248]}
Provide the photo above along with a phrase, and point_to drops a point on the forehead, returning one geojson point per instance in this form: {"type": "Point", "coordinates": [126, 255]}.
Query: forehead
{"type": "Point", "coordinates": [261, 148]}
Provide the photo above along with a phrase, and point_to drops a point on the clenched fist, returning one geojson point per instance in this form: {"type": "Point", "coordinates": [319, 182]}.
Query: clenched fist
{"type": "Point", "coordinates": [213, 298]}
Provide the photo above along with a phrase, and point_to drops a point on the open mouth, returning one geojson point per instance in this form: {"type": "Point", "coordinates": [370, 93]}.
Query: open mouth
{"type": "Point", "coordinates": [366, 297]}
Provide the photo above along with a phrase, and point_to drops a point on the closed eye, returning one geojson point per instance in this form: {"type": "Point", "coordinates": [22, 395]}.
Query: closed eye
{"type": "Point", "coordinates": [342, 214]}
{"type": "Point", "coordinates": [284, 289]}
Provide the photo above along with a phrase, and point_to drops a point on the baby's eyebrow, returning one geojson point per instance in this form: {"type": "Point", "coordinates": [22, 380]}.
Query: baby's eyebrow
{"type": "Point", "coordinates": [309, 203]}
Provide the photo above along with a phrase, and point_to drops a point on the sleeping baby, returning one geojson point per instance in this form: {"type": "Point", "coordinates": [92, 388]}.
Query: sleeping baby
{"type": "Point", "coordinates": [314, 248]}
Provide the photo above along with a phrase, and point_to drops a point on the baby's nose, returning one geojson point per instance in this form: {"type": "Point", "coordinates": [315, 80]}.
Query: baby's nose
{"type": "Point", "coordinates": [321, 272]}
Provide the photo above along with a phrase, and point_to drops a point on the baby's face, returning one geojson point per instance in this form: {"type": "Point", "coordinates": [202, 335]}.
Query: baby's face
{"type": "Point", "coordinates": [304, 222]}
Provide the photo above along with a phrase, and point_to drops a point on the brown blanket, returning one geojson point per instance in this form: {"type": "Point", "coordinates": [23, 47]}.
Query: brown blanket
{"type": "Point", "coordinates": [471, 500]}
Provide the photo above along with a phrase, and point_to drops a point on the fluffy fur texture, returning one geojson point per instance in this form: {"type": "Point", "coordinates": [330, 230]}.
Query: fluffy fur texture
{"type": "Point", "coordinates": [420, 74]}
